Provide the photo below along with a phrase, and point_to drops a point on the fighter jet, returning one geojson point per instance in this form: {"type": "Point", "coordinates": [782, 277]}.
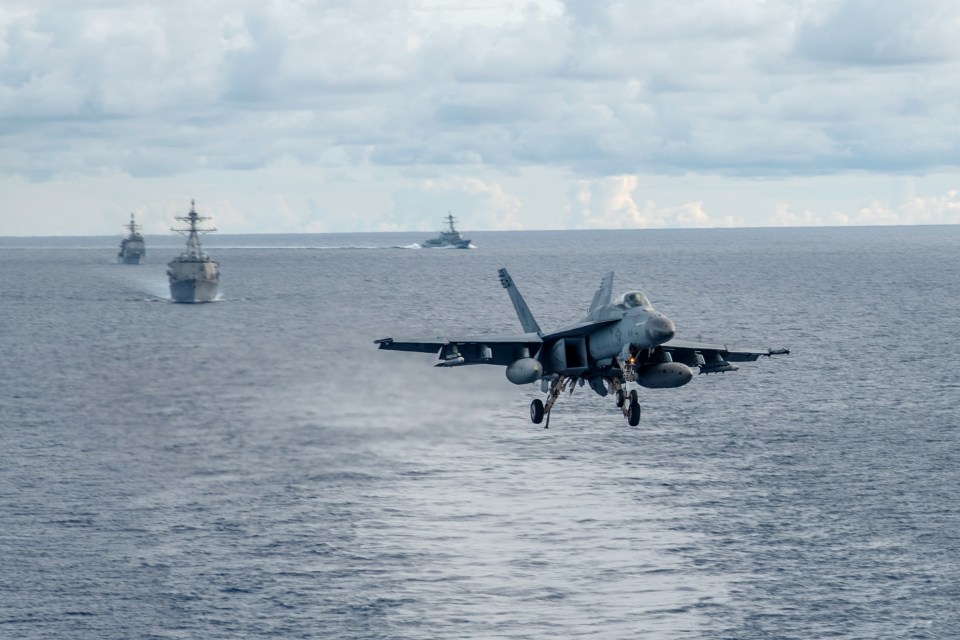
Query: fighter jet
{"type": "Point", "coordinates": [619, 342]}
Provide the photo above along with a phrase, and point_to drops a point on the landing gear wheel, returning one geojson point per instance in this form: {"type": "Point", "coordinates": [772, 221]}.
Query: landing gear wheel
{"type": "Point", "coordinates": [633, 418]}
{"type": "Point", "coordinates": [536, 411]}
{"type": "Point", "coordinates": [621, 398]}
{"type": "Point", "coordinates": [634, 397]}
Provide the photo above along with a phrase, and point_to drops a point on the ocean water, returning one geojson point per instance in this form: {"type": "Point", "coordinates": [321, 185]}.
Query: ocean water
{"type": "Point", "coordinates": [256, 468]}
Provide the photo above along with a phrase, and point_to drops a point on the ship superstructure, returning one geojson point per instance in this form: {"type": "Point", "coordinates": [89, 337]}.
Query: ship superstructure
{"type": "Point", "coordinates": [194, 276]}
{"type": "Point", "coordinates": [132, 248]}
{"type": "Point", "coordinates": [448, 237]}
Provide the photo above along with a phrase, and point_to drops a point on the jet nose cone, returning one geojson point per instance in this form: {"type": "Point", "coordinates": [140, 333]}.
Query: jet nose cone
{"type": "Point", "coordinates": [660, 329]}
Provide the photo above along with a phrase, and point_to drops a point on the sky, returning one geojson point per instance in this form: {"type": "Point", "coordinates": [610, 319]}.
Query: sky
{"type": "Point", "coordinates": [285, 116]}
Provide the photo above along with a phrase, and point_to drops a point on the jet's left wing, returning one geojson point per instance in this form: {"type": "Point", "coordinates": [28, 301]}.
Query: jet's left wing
{"type": "Point", "coordinates": [501, 350]}
{"type": "Point", "coordinates": [715, 357]}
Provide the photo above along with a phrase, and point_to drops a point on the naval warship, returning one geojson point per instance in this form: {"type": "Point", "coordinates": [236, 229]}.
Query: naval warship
{"type": "Point", "coordinates": [194, 277]}
{"type": "Point", "coordinates": [448, 238]}
{"type": "Point", "coordinates": [132, 248]}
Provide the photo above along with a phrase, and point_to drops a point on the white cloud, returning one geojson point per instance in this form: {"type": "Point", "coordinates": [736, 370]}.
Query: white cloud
{"type": "Point", "coordinates": [609, 203]}
{"type": "Point", "coordinates": [879, 33]}
{"type": "Point", "coordinates": [942, 209]}
{"type": "Point", "coordinates": [784, 217]}
{"type": "Point", "coordinates": [479, 204]}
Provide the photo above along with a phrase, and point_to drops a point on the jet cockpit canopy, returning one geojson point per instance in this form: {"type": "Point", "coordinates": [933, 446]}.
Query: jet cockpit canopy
{"type": "Point", "coordinates": [632, 299]}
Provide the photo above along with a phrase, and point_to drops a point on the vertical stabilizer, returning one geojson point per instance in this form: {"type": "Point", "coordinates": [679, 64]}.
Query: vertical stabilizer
{"type": "Point", "coordinates": [523, 311]}
{"type": "Point", "coordinates": [602, 295]}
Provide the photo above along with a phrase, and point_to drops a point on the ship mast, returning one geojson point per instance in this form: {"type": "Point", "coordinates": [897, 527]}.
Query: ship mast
{"type": "Point", "coordinates": [193, 233]}
{"type": "Point", "coordinates": [450, 221]}
{"type": "Point", "coordinates": [133, 226]}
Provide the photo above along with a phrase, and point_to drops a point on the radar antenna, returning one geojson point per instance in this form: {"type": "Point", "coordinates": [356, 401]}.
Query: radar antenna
{"type": "Point", "coordinates": [450, 220]}
{"type": "Point", "coordinates": [133, 226]}
{"type": "Point", "coordinates": [193, 233]}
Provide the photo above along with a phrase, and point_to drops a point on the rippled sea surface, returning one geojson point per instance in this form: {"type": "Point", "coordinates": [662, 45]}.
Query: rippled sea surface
{"type": "Point", "coordinates": [256, 468]}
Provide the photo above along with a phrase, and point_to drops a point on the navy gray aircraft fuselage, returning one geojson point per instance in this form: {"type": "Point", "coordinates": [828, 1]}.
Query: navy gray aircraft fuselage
{"type": "Point", "coordinates": [620, 341]}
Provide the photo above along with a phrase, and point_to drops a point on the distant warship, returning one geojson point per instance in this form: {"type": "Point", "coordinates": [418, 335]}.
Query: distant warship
{"type": "Point", "coordinates": [132, 248]}
{"type": "Point", "coordinates": [448, 238]}
{"type": "Point", "coordinates": [194, 277]}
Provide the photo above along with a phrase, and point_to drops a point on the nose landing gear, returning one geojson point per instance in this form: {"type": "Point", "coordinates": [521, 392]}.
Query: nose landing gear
{"type": "Point", "coordinates": [629, 403]}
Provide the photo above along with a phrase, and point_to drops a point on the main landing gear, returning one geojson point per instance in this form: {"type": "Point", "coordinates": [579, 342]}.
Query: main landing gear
{"type": "Point", "coordinates": [539, 409]}
{"type": "Point", "coordinates": [627, 401]}
{"type": "Point", "coordinates": [536, 411]}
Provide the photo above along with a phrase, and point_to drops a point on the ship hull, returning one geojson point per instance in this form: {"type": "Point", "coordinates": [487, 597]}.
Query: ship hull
{"type": "Point", "coordinates": [446, 245]}
{"type": "Point", "coordinates": [132, 251]}
{"type": "Point", "coordinates": [132, 257]}
{"type": "Point", "coordinates": [192, 291]}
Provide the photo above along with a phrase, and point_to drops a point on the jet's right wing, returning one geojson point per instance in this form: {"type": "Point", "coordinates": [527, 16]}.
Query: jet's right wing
{"type": "Point", "coordinates": [501, 350]}
{"type": "Point", "coordinates": [602, 296]}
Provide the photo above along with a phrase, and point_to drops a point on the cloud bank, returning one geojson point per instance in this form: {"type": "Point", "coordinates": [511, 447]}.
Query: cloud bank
{"type": "Point", "coordinates": [426, 90]}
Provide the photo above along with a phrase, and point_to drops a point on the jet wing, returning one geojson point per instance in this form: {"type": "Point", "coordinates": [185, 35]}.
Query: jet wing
{"type": "Point", "coordinates": [714, 356]}
{"type": "Point", "coordinates": [500, 350]}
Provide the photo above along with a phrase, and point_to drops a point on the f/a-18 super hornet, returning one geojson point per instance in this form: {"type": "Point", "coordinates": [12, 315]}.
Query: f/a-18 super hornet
{"type": "Point", "coordinates": [621, 341]}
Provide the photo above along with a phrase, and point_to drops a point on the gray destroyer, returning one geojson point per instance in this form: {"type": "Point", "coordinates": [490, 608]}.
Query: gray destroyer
{"type": "Point", "coordinates": [132, 248]}
{"type": "Point", "coordinates": [448, 237]}
{"type": "Point", "coordinates": [194, 276]}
